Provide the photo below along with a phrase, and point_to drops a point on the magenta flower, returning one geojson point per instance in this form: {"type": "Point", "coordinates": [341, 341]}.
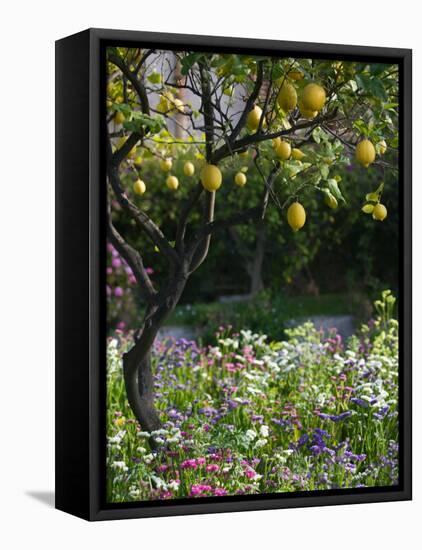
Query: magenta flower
{"type": "Point", "coordinates": [197, 490]}
{"type": "Point", "coordinates": [189, 464]}
{"type": "Point", "coordinates": [212, 468]}
{"type": "Point", "coordinates": [118, 291]}
{"type": "Point", "coordinates": [220, 492]}
{"type": "Point", "coordinates": [149, 271]}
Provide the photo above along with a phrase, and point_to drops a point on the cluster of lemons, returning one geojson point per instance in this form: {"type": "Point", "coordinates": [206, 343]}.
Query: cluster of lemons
{"type": "Point", "coordinates": [172, 182]}
{"type": "Point", "coordinates": [310, 103]}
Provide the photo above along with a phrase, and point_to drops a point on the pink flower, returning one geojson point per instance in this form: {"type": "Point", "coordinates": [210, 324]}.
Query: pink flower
{"type": "Point", "coordinates": [212, 468]}
{"type": "Point", "coordinates": [197, 490]}
{"type": "Point", "coordinates": [220, 492]}
{"type": "Point", "coordinates": [149, 271]}
{"type": "Point", "coordinates": [250, 473]}
{"type": "Point", "coordinates": [189, 464]}
{"type": "Point", "coordinates": [109, 271]}
{"type": "Point", "coordinates": [200, 461]}
{"type": "Point", "coordinates": [116, 262]}
{"type": "Point", "coordinates": [118, 291]}
{"type": "Point", "coordinates": [121, 325]}
{"type": "Point", "coordinates": [162, 468]}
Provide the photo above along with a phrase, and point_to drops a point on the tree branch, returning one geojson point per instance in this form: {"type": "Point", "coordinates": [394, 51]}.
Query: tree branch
{"type": "Point", "coordinates": [133, 259]}
{"type": "Point", "coordinates": [249, 103]}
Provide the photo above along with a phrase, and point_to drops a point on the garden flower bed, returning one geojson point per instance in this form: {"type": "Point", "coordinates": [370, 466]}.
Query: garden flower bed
{"type": "Point", "coordinates": [249, 416]}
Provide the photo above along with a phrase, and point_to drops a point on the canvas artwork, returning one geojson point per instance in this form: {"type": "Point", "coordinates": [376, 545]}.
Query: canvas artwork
{"type": "Point", "coordinates": [251, 274]}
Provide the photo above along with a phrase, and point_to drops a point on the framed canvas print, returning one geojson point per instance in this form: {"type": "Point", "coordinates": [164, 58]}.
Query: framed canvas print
{"type": "Point", "coordinates": [233, 274]}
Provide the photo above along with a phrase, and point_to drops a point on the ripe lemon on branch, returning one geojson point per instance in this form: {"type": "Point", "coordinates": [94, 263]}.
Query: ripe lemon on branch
{"type": "Point", "coordinates": [379, 212]}
{"type": "Point", "coordinates": [189, 169]}
{"type": "Point", "coordinates": [365, 153]}
{"type": "Point", "coordinates": [119, 117]}
{"type": "Point", "coordinates": [313, 97]}
{"type": "Point", "coordinates": [297, 154]}
{"type": "Point", "coordinates": [240, 179]}
{"type": "Point", "coordinates": [139, 187]}
{"type": "Point", "coordinates": [306, 113]}
{"type": "Point", "coordinates": [283, 150]}
{"type": "Point", "coordinates": [254, 116]}
{"type": "Point", "coordinates": [172, 183]}
{"type": "Point", "coordinates": [211, 177]}
{"type": "Point", "coordinates": [296, 216]}
{"type": "Point", "coordinates": [287, 97]}
{"type": "Point", "coordinates": [166, 164]}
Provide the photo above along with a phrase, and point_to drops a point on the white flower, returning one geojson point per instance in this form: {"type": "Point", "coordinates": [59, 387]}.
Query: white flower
{"type": "Point", "coordinates": [250, 435]}
{"type": "Point", "coordinates": [116, 439]}
{"type": "Point", "coordinates": [141, 450]}
{"type": "Point", "coordinates": [264, 430]}
{"type": "Point", "coordinates": [173, 485]}
{"type": "Point", "coordinates": [120, 465]}
{"type": "Point", "coordinates": [149, 458]}
{"type": "Point", "coordinates": [260, 443]}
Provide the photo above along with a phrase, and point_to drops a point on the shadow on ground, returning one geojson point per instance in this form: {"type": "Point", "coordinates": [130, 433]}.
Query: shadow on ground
{"type": "Point", "coordinates": [45, 497]}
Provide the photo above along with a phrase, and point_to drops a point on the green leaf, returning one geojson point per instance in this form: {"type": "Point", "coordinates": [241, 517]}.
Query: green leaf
{"type": "Point", "coordinates": [122, 108]}
{"type": "Point", "coordinates": [372, 197]}
{"type": "Point", "coordinates": [368, 208]}
{"type": "Point", "coordinates": [335, 190]}
{"type": "Point", "coordinates": [141, 121]}
{"type": "Point", "coordinates": [324, 170]}
{"type": "Point", "coordinates": [189, 61]}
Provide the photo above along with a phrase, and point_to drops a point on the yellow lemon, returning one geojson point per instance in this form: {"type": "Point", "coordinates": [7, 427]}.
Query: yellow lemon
{"type": "Point", "coordinates": [331, 201]}
{"type": "Point", "coordinates": [382, 147]}
{"type": "Point", "coordinates": [287, 97]}
{"type": "Point", "coordinates": [139, 187]}
{"type": "Point", "coordinates": [297, 154]}
{"type": "Point", "coordinates": [119, 117]}
{"type": "Point", "coordinates": [296, 216]}
{"type": "Point", "coordinates": [166, 164]}
{"type": "Point", "coordinates": [211, 177]}
{"type": "Point", "coordinates": [172, 183]}
{"type": "Point", "coordinates": [240, 179]}
{"type": "Point", "coordinates": [189, 169]}
{"type": "Point", "coordinates": [295, 75]}
{"type": "Point", "coordinates": [306, 113]}
{"type": "Point", "coordinates": [313, 97]}
{"type": "Point", "coordinates": [379, 212]}
{"type": "Point", "coordinates": [365, 153]}
{"type": "Point", "coordinates": [283, 150]}
{"type": "Point", "coordinates": [138, 160]}
{"type": "Point", "coordinates": [254, 117]}
{"type": "Point", "coordinates": [276, 142]}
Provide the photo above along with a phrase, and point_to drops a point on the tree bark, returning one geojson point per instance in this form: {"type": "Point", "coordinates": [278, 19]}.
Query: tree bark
{"type": "Point", "coordinates": [137, 369]}
{"type": "Point", "coordinates": [255, 266]}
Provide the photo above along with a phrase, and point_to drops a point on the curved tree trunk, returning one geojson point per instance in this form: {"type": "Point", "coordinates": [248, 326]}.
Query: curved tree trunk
{"type": "Point", "coordinates": [137, 371]}
{"type": "Point", "coordinates": [254, 268]}
{"type": "Point", "coordinates": [139, 384]}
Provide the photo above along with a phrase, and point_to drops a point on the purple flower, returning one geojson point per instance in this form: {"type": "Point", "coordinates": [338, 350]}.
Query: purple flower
{"type": "Point", "coordinates": [118, 291]}
{"type": "Point", "coordinates": [360, 402]}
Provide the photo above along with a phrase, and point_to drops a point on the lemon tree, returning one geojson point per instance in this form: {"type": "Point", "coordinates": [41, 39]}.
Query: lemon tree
{"type": "Point", "coordinates": [297, 122]}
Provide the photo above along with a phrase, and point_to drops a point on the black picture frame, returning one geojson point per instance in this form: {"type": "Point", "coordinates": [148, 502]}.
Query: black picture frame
{"type": "Point", "coordinates": [80, 286]}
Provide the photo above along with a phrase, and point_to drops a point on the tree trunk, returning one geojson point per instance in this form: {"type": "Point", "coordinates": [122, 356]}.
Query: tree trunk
{"type": "Point", "coordinates": [138, 376]}
{"type": "Point", "coordinates": [254, 267]}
